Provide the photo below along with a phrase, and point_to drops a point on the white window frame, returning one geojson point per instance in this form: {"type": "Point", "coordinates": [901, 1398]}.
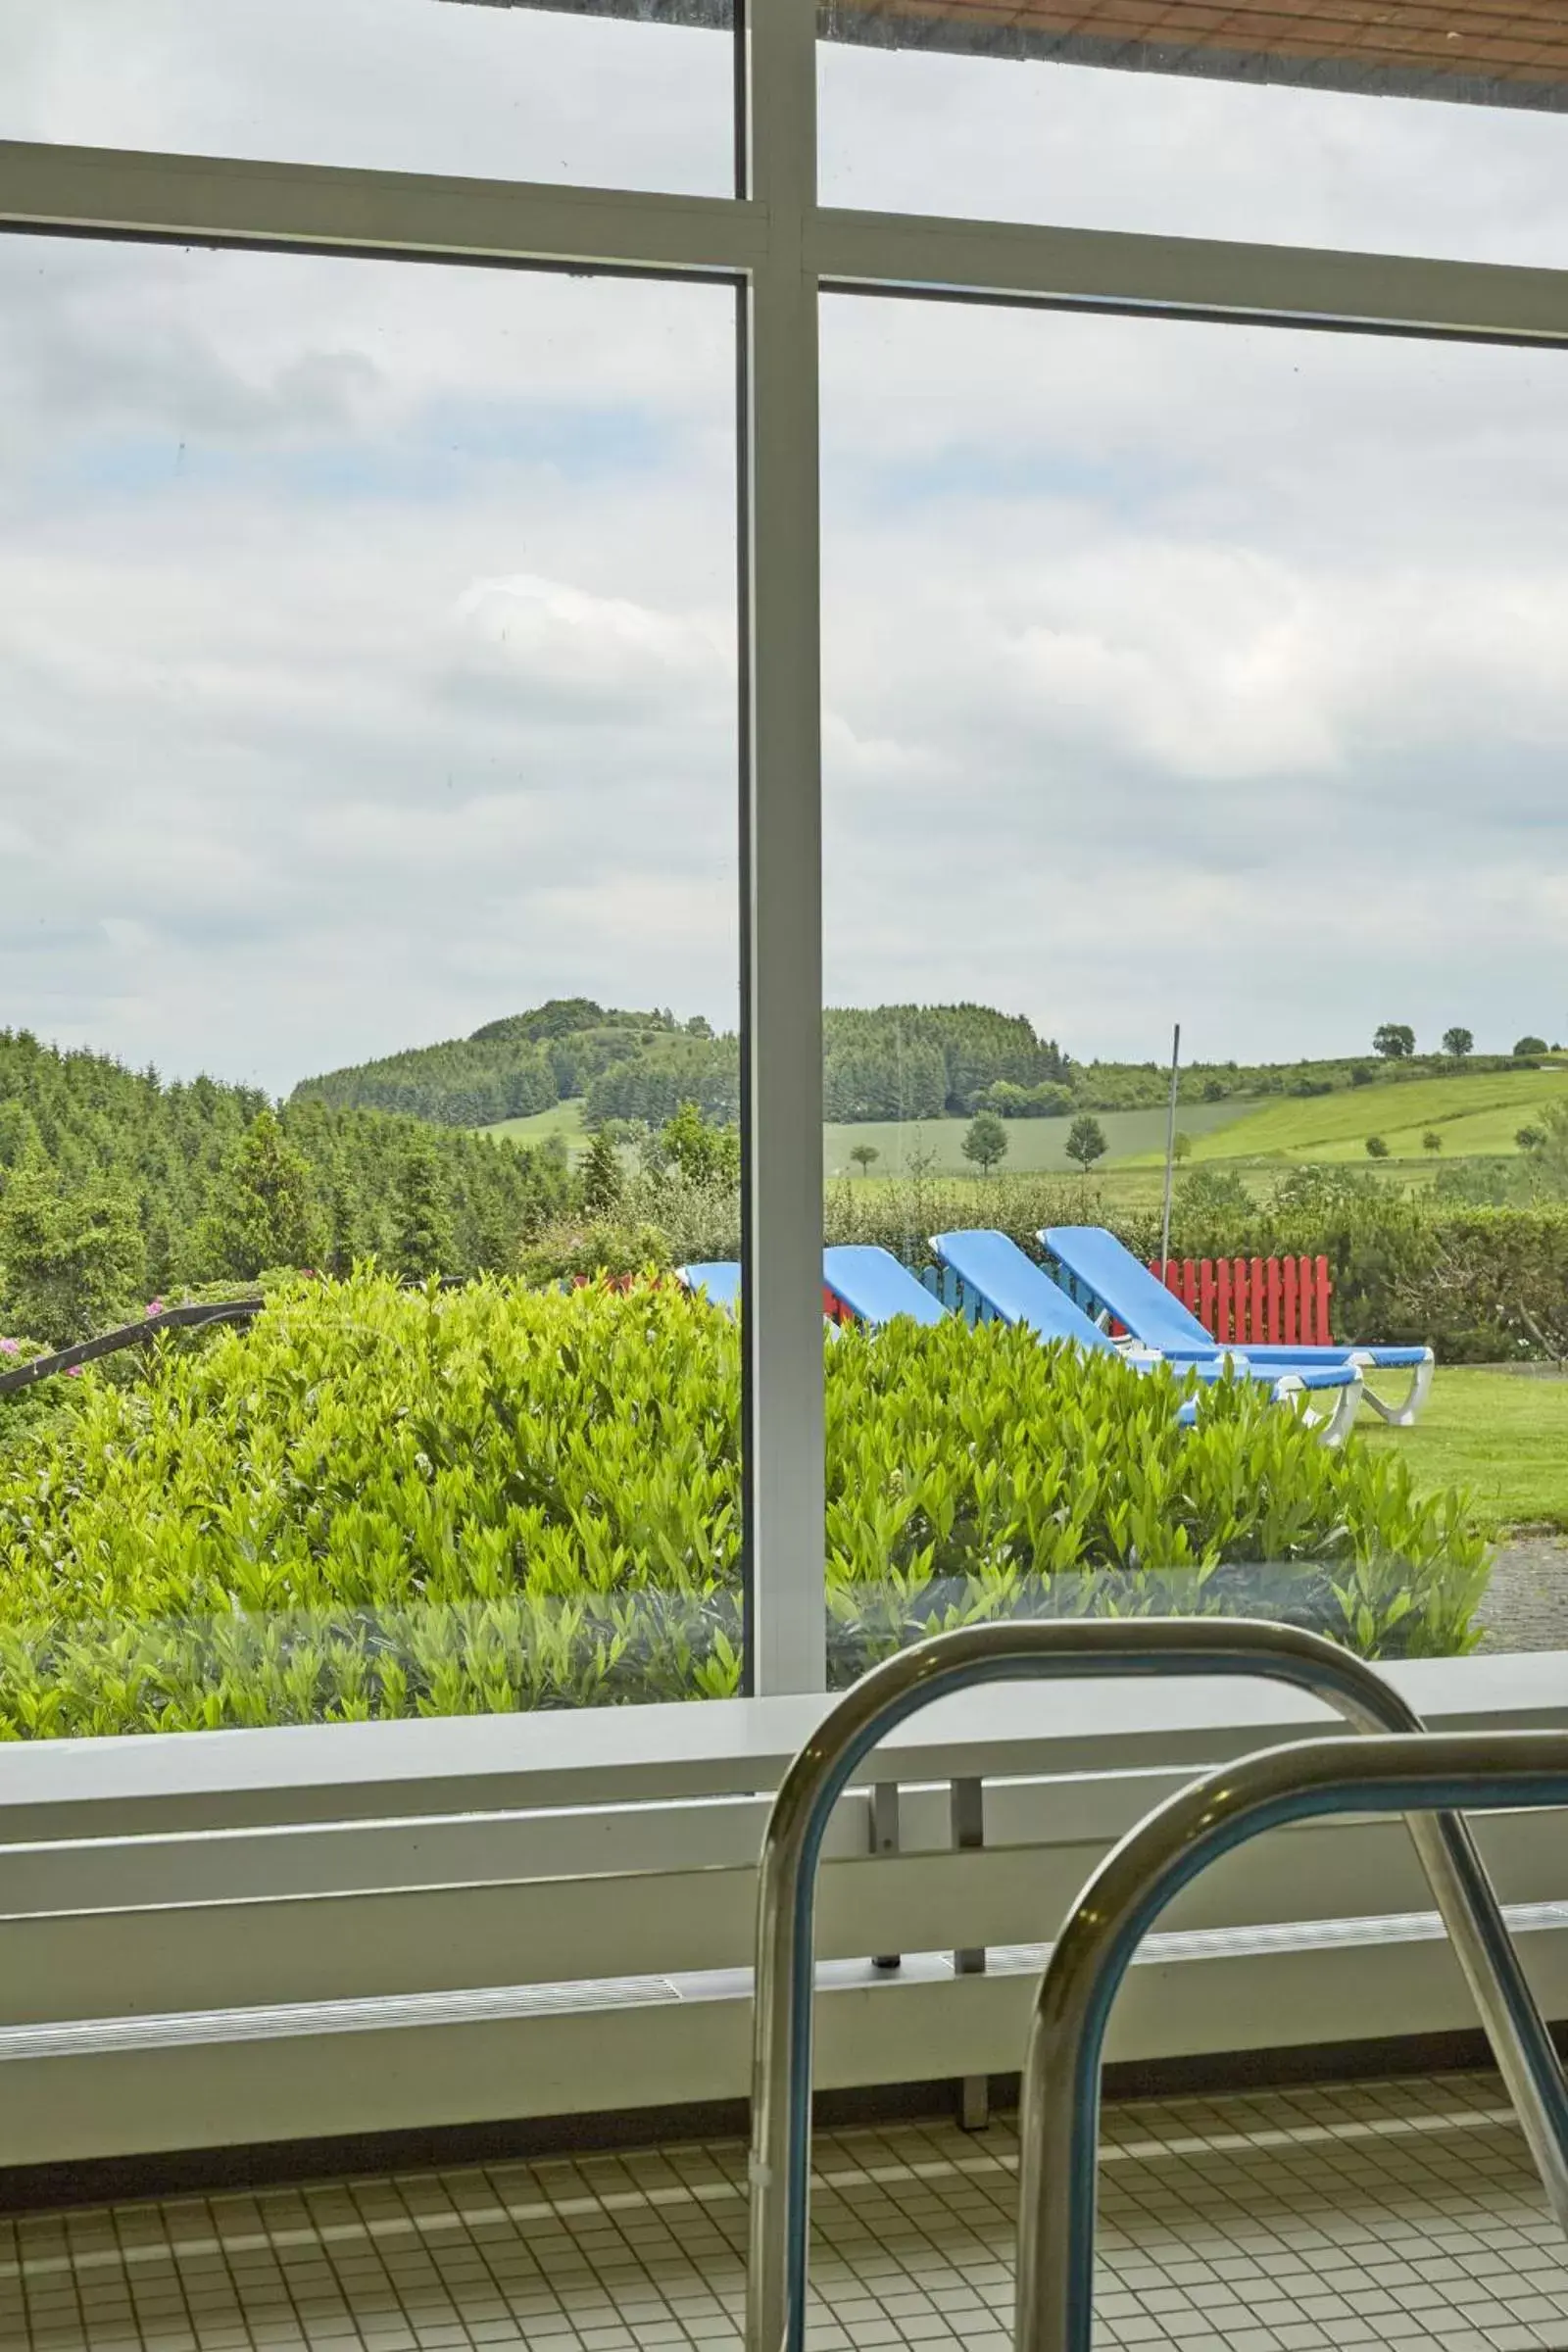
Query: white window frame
{"type": "Point", "coordinates": [782, 251]}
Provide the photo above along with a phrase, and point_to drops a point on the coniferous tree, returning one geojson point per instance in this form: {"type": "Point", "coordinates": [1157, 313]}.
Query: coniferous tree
{"type": "Point", "coordinates": [70, 1262]}
{"type": "Point", "coordinates": [265, 1212]}
{"type": "Point", "coordinates": [421, 1215]}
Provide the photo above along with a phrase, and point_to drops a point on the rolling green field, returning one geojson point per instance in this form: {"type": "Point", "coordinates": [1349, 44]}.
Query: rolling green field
{"type": "Point", "coordinates": [1473, 1115]}
{"type": "Point", "coordinates": [1035, 1147]}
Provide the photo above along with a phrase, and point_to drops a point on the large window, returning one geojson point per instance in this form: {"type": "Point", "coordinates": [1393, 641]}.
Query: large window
{"type": "Point", "coordinates": [368, 794]}
{"type": "Point", "coordinates": [1152, 629]}
{"type": "Point", "coordinates": [1182, 672]}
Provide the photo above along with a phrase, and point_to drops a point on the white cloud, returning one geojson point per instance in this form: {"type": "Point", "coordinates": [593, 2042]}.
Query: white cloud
{"type": "Point", "coordinates": [538, 633]}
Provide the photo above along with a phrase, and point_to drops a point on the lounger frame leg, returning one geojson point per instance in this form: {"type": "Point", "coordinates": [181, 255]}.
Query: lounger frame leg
{"type": "Point", "coordinates": [1333, 1427]}
{"type": "Point", "coordinates": [1403, 1414]}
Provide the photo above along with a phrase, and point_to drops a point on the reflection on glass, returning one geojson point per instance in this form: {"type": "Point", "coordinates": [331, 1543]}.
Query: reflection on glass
{"type": "Point", "coordinates": [616, 97]}
{"type": "Point", "coordinates": [1179, 674]}
{"type": "Point", "coordinates": [366, 806]}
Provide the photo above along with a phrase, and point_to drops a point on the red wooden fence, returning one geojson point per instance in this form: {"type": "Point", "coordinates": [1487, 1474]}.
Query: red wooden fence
{"type": "Point", "coordinates": [1264, 1302]}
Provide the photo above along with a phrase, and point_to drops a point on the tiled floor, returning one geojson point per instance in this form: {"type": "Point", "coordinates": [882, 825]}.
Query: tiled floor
{"type": "Point", "coordinates": [1392, 2214]}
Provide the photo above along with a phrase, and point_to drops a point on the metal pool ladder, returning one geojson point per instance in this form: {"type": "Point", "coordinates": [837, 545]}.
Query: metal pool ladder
{"type": "Point", "coordinates": [1414, 1773]}
{"type": "Point", "coordinates": [1055, 2227]}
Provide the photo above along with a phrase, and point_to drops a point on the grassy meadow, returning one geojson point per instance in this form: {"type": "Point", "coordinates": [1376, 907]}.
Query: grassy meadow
{"type": "Point", "coordinates": [1473, 1115]}
{"type": "Point", "coordinates": [1035, 1147]}
{"type": "Point", "coordinates": [562, 1119]}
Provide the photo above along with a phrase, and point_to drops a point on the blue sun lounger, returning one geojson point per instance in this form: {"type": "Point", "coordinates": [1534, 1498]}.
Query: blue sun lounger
{"type": "Point", "coordinates": [874, 1286]}
{"type": "Point", "coordinates": [866, 1282]}
{"type": "Point", "coordinates": [1103, 1273]}
{"type": "Point", "coordinates": [1001, 1281]}
{"type": "Point", "coordinates": [718, 1280]}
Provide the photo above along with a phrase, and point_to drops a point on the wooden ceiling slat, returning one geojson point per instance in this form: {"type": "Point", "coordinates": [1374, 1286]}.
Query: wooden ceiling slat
{"type": "Point", "coordinates": [1495, 39]}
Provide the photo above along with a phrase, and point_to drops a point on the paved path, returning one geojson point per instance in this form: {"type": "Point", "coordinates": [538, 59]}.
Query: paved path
{"type": "Point", "coordinates": [1526, 1606]}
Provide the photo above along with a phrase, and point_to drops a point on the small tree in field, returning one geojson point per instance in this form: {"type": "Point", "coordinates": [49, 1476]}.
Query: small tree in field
{"type": "Point", "coordinates": [1432, 1141]}
{"type": "Point", "coordinates": [986, 1141]}
{"type": "Point", "coordinates": [863, 1156]}
{"type": "Point", "coordinates": [1086, 1140]}
{"type": "Point", "coordinates": [1377, 1148]}
{"type": "Point", "coordinates": [1181, 1146]}
{"type": "Point", "coordinates": [1529, 1049]}
{"type": "Point", "coordinates": [1457, 1042]}
{"type": "Point", "coordinates": [1394, 1040]}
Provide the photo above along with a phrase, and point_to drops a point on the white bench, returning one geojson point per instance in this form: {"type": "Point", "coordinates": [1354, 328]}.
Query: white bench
{"type": "Point", "coordinates": [244, 1937]}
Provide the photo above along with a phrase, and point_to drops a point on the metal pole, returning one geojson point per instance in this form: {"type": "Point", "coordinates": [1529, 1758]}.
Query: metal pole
{"type": "Point", "coordinates": [1170, 1150]}
{"type": "Point", "coordinates": [1059, 2131]}
{"type": "Point", "coordinates": [781, 2049]}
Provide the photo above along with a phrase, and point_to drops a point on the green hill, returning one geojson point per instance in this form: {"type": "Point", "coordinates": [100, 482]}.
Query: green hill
{"type": "Point", "coordinates": [890, 1061]}
{"type": "Point", "coordinates": [1472, 1112]}
{"type": "Point", "coordinates": [569, 1066]}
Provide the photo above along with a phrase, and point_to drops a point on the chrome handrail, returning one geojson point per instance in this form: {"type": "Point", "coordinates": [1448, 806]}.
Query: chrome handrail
{"type": "Point", "coordinates": [781, 2048]}
{"type": "Point", "coordinates": [1415, 1773]}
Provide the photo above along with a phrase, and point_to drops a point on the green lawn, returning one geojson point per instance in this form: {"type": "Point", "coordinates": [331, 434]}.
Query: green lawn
{"type": "Point", "coordinates": [1473, 1115]}
{"type": "Point", "coordinates": [1502, 1434]}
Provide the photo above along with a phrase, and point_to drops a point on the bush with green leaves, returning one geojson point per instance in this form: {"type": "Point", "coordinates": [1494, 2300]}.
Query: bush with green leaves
{"type": "Point", "coordinates": [371, 1502]}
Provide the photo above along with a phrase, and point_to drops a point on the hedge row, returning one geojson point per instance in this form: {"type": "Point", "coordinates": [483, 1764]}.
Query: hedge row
{"type": "Point", "coordinates": [371, 1503]}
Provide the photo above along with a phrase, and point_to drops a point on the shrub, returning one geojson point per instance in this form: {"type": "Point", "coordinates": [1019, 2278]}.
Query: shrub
{"type": "Point", "coordinates": [372, 1502]}
{"type": "Point", "coordinates": [601, 1246]}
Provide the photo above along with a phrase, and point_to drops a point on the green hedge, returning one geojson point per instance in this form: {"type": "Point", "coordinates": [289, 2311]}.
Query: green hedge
{"type": "Point", "coordinates": [1479, 1284]}
{"type": "Point", "coordinates": [372, 1502]}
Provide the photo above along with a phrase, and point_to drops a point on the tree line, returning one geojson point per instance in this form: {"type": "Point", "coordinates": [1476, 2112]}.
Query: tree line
{"type": "Point", "coordinates": [117, 1187]}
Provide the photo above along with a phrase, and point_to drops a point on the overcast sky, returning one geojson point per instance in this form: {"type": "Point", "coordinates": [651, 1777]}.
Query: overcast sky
{"type": "Point", "coordinates": [366, 634]}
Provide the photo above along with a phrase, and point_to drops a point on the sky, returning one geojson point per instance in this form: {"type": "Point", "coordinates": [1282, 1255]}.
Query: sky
{"type": "Point", "coordinates": [367, 633]}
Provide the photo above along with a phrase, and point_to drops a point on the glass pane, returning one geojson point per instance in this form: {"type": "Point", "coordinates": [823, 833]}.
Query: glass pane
{"type": "Point", "coordinates": [1273, 128]}
{"type": "Point", "coordinates": [477, 87]}
{"type": "Point", "coordinates": [1179, 674]}
{"type": "Point", "coordinates": [367, 785]}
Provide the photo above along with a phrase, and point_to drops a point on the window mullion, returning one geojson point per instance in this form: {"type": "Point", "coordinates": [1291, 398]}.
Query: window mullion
{"type": "Point", "coordinates": [781, 870]}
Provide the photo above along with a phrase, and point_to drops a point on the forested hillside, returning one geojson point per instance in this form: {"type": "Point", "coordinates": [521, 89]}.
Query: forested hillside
{"type": "Point", "coordinates": [115, 1186]}
{"type": "Point", "coordinates": [908, 1061]}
